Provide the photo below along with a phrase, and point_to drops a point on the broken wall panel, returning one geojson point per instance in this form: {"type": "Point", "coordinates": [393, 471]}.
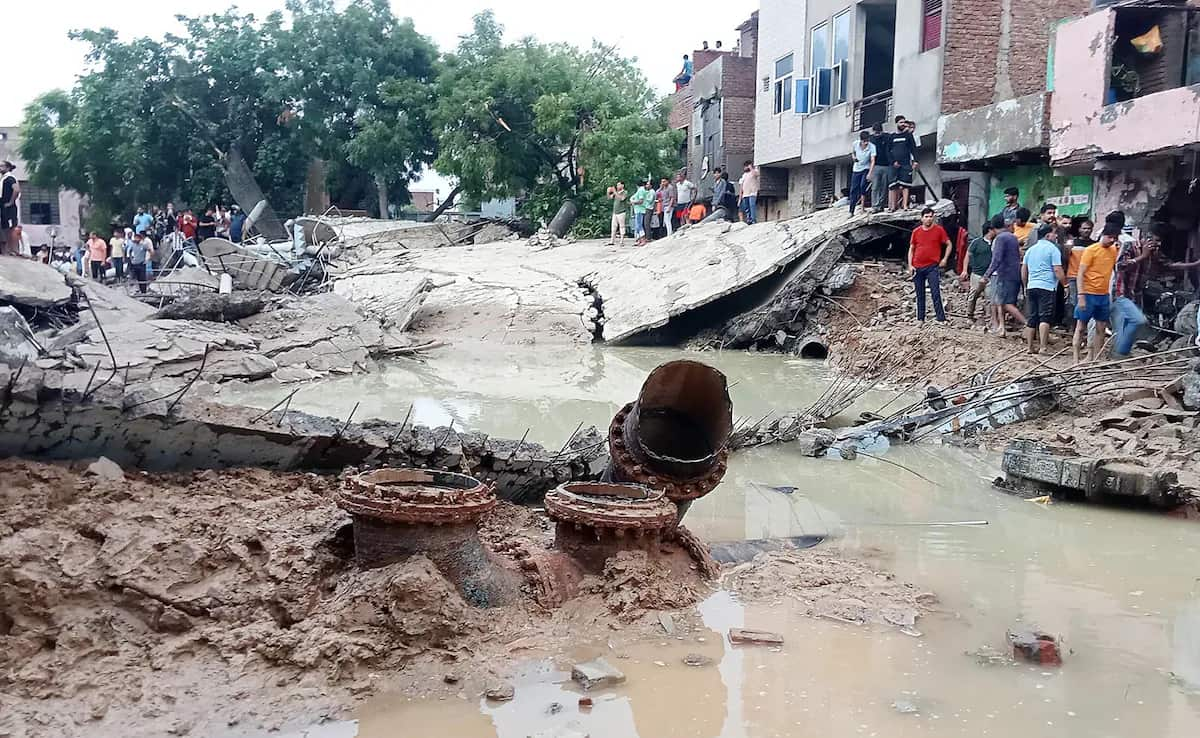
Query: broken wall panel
{"type": "Point", "coordinates": [1085, 125]}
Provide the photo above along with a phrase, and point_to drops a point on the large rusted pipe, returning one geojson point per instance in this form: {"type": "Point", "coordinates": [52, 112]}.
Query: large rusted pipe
{"type": "Point", "coordinates": [675, 436]}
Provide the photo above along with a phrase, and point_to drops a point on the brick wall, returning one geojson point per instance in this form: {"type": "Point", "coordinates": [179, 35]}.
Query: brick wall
{"type": "Point", "coordinates": [976, 70]}
{"type": "Point", "coordinates": [739, 130]}
{"type": "Point", "coordinates": [681, 109]}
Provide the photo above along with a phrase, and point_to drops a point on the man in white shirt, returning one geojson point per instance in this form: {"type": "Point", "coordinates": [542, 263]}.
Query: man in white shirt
{"type": "Point", "coordinates": [685, 196]}
{"type": "Point", "coordinates": [748, 193]}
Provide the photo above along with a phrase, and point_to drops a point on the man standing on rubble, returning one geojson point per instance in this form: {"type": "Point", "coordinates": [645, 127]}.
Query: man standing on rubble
{"type": "Point", "coordinates": [928, 253]}
{"type": "Point", "coordinates": [10, 221]}
{"type": "Point", "coordinates": [1006, 269]}
{"type": "Point", "coordinates": [139, 252]}
{"type": "Point", "coordinates": [902, 151]}
{"type": "Point", "coordinates": [1042, 273]}
{"type": "Point", "coordinates": [881, 173]}
{"type": "Point", "coordinates": [685, 195]}
{"type": "Point", "coordinates": [748, 193]}
{"type": "Point", "coordinates": [979, 258]}
{"type": "Point", "coordinates": [620, 213]}
{"type": "Point", "coordinates": [1096, 268]}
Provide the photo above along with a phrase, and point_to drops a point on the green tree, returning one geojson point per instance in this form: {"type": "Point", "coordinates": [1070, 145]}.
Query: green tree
{"type": "Point", "coordinates": [534, 119]}
{"type": "Point", "coordinates": [361, 81]}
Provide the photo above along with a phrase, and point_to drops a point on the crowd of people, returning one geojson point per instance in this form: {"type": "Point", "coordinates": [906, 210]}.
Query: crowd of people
{"type": "Point", "coordinates": [1038, 275]}
{"type": "Point", "coordinates": [882, 167]}
{"type": "Point", "coordinates": [658, 212]}
{"type": "Point", "coordinates": [131, 252]}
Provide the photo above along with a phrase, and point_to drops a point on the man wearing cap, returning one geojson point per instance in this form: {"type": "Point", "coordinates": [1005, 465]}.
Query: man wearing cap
{"type": "Point", "coordinates": [1042, 273]}
{"type": "Point", "coordinates": [10, 226]}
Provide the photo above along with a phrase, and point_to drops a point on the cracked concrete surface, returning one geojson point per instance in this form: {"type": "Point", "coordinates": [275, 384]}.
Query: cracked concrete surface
{"type": "Point", "coordinates": [511, 293]}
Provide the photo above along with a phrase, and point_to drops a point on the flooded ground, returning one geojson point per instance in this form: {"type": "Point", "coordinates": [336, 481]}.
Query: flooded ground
{"type": "Point", "coordinates": [1122, 588]}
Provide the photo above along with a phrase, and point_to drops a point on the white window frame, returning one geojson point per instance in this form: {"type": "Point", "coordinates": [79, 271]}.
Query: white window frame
{"type": "Point", "coordinates": [782, 87]}
{"type": "Point", "coordinates": [813, 63]}
{"type": "Point", "coordinates": [840, 66]}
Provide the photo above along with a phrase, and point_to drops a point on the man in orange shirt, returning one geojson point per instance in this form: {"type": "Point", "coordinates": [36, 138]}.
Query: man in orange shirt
{"type": "Point", "coordinates": [97, 254]}
{"type": "Point", "coordinates": [1094, 281]}
{"type": "Point", "coordinates": [928, 253]}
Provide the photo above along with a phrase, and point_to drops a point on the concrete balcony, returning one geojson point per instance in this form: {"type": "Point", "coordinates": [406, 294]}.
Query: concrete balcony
{"type": "Point", "coordinates": [1009, 130]}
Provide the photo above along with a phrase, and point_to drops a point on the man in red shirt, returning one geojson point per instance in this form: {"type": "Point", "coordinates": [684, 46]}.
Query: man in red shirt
{"type": "Point", "coordinates": [187, 225]}
{"type": "Point", "coordinates": [928, 253]}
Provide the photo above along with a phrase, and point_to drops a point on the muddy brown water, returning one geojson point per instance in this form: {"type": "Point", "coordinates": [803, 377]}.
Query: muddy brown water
{"type": "Point", "coordinates": [1120, 587]}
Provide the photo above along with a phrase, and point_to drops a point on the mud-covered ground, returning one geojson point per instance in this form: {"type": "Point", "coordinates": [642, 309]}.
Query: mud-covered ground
{"type": "Point", "coordinates": [228, 603]}
{"type": "Point", "coordinates": [879, 318]}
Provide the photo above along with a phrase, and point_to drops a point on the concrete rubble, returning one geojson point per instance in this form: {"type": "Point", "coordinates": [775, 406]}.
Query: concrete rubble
{"type": "Point", "coordinates": [585, 291]}
{"type": "Point", "coordinates": [29, 283]}
{"type": "Point", "coordinates": [1058, 470]}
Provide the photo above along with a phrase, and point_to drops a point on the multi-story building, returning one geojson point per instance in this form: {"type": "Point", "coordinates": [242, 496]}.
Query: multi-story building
{"type": "Point", "coordinates": [1092, 110]}
{"type": "Point", "coordinates": [829, 69]}
{"type": "Point", "coordinates": [48, 216]}
{"type": "Point", "coordinates": [1126, 112]}
{"type": "Point", "coordinates": [716, 109]}
{"type": "Point", "coordinates": [994, 131]}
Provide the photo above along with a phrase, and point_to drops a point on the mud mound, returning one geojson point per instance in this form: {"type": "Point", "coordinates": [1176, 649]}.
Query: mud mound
{"type": "Point", "coordinates": [118, 599]}
{"type": "Point", "coordinates": [634, 581]}
{"type": "Point", "coordinates": [829, 587]}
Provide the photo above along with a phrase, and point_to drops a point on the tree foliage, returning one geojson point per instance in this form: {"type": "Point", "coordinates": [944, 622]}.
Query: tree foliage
{"type": "Point", "coordinates": [150, 119]}
{"type": "Point", "coordinates": [547, 121]}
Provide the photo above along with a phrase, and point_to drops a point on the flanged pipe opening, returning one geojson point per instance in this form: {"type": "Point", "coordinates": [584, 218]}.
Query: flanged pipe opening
{"type": "Point", "coordinates": [813, 348]}
{"type": "Point", "coordinates": [406, 482]}
{"type": "Point", "coordinates": [610, 493]}
{"type": "Point", "coordinates": [683, 414]}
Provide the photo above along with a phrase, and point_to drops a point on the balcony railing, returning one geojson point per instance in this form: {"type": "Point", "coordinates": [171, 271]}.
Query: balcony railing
{"type": "Point", "coordinates": [873, 109]}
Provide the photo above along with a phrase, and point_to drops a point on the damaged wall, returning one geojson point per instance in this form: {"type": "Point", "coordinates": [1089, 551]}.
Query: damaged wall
{"type": "Point", "coordinates": [997, 49]}
{"type": "Point", "coordinates": [1083, 128]}
{"type": "Point", "coordinates": [1140, 191]}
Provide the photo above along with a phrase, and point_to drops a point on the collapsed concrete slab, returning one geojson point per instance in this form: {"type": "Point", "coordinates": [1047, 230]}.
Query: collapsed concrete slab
{"type": "Point", "coordinates": [31, 283]}
{"type": "Point", "coordinates": [583, 291]}
{"type": "Point", "coordinates": [1058, 470]}
{"type": "Point", "coordinates": [63, 415]}
{"type": "Point", "coordinates": [249, 270]}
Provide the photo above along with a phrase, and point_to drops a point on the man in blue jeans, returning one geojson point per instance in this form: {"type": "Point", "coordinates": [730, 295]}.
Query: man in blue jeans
{"type": "Point", "coordinates": [748, 193]}
{"type": "Point", "coordinates": [928, 251]}
{"type": "Point", "coordinates": [864, 157]}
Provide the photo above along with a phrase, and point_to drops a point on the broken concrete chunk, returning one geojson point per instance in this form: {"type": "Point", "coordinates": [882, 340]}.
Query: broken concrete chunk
{"type": "Point", "coordinates": [814, 442]}
{"type": "Point", "coordinates": [697, 660]}
{"type": "Point", "coordinates": [761, 637]}
{"type": "Point", "coordinates": [31, 283]}
{"type": "Point", "coordinates": [15, 346]}
{"type": "Point", "coordinates": [105, 468]}
{"type": "Point", "coordinates": [500, 693]}
{"type": "Point", "coordinates": [213, 308]}
{"type": "Point", "coordinates": [597, 673]}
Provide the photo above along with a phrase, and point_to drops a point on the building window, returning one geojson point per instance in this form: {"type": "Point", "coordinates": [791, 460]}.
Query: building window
{"type": "Point", "coordinates": [39, 205]}
{"type": "Point", "coordinates": [931, 28]}
{"type": "Point", "coordinates": [783, 84]}
{"type": "Point", "coordinates": [841, 58]}
{"type": "Point", "coordinates": [818, 48]}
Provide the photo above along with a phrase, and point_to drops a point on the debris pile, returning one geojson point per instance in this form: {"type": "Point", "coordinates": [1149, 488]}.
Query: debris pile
{"type": "Point", "coordinates": [1058, 470]}
{"type": "Point", "coordinates": [544, 239]}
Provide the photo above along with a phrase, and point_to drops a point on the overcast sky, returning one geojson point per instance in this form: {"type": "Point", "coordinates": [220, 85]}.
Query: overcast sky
{"type": "Point", "coordinates": [38, 56]}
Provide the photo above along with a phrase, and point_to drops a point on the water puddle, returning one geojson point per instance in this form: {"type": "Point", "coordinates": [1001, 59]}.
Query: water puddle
{"type": "Point", "coordinates": [1121, 588]}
